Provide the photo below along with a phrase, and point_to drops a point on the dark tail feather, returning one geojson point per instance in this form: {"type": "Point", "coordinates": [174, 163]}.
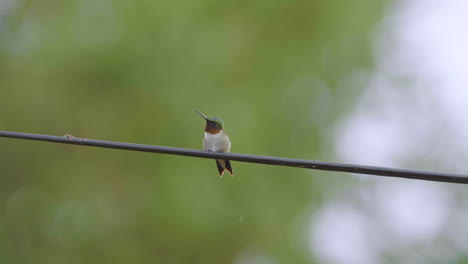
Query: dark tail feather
{"type": "Point", "coordinates": [229, 168]}
{"type": "Point", "coordinates": [220, 168]}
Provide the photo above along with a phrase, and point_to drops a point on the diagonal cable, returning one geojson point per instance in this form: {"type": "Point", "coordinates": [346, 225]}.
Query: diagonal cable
{"type": "Point", "coordinates": [299, 163]}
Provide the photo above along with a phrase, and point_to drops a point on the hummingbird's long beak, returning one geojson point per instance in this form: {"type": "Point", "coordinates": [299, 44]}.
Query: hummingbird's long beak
{"type": "Point", "coordinates": [204, 116]}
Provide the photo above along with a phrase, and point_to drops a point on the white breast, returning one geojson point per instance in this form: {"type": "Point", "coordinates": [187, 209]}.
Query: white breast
{"type": "Point", "coordinates": [217, 142]}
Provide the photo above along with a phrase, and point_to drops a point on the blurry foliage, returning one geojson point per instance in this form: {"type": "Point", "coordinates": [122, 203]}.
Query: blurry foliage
{"type": "Point", "coordinates": [134, 71]}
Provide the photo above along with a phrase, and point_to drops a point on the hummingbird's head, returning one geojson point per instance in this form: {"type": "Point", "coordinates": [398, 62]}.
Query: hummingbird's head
{"type": "Point", "coordinates": [214, 125]}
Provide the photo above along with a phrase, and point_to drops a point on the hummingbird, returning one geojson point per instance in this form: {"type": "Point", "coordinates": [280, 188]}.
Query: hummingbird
{"type": "Point", "coordinates": [217, 140]}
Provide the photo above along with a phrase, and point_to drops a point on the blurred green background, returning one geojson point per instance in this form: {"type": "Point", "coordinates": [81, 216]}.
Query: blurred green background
{"type": "Point", "coordinates": [134, 71]}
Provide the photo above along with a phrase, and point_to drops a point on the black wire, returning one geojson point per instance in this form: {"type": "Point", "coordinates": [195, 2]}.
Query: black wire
{"type": "Point", "coordinates": [308, 164]}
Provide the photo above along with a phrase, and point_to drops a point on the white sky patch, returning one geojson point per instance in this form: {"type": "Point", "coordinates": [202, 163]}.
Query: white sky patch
{"type": "Point", "coordinates": [439, 40]}
{"type": "Point", "coordinates": [420, 86]}
{"type": "Point", "coordinates": [340, 228]}
{"type": "Point", "coordinates": [412, 211]}
{"type": "Point", "coordinates": [413, 114]}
